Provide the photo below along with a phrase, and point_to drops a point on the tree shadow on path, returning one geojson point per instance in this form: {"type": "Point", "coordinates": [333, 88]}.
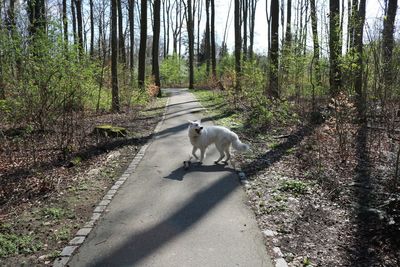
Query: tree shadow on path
{"type": "Point", "coordinates": [141, 245]}
{"type": "Point", "coordinates": [179, 173]}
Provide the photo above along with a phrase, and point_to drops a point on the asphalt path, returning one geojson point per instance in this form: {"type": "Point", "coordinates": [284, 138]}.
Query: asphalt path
{"type": "Point", "coordinates": [164, 215]}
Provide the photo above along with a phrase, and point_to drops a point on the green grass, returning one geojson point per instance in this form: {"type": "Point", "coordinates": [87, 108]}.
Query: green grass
{"type": "Point", "coordinates": [295, 187]}
{"type": "Point", "coordinates": [62, 234]}
{"type": "Point", "coordinates": [11, 244]}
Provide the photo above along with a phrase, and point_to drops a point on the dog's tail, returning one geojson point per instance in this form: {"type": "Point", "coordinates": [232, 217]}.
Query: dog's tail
{"type": "Point", "coordinates": [239, 146]}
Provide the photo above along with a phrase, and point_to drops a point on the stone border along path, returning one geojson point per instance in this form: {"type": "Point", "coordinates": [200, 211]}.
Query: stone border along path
{"type": "Point", "coordinates": [81, 235]}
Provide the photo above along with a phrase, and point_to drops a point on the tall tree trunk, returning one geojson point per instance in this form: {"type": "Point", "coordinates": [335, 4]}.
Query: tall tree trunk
{"type": "Point", "coordinates": [131, 11]}
{"type": "Point", "coordinates": [121, 38]}
{"type": "Point", "coordinates": [37, 16]}
{"type": "Point", "coordinates": [142, 45]}
{"type": "Point", "coordinates": [273, 88]}
{"type": "Point", "coordinates": [190, 26]}
{"type": "Point", "coordinates": [253, 7]}
{"type": "Point", "coordinates": [114, 57]}
{"type": "Point", "coordinates": [314, 28]}
{"type": "Point", "coordinates": [65, 22]}
{"type": "Point", "coordinates": [78, 5]}
{"type": "Point", "coordinates": [207, 38]}
{"type": "Point", "coordinates": [335, 75]}
{"type": "Point", "coordinates": [358, 43]}
{"type": "Point", "coordinates": [244, 23]}
{"type": "Point", "coordinates": [73, 12]}
{"type": "Point", "coordinates": [213, 49]}
{"type": "Point", "coordinates": [199, 15]}
{"type": "Point", "coordinates": [91, 29]}
{"type": "Point", "coordinates": [387, 48]}
{"type": "Point", "coordinates": [288, 35]}
{"type": "Point", "coordinates": [238, 46]}
{"type": "Point", "coordinates": [156, 40]}
{"type": "Point", "coordinates": [2, 91]}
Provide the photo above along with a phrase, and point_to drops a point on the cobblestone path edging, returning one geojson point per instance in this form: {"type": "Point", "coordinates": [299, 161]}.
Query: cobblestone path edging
{"type": "Point", "coordinates": [81, 235]}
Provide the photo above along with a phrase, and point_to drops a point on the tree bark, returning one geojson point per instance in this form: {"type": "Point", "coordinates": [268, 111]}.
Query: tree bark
{"type": "Point", "coordinates": [65, 22]}
{"type": "Point", "coordinates": [273, 88]}
{"type": "Point", "coordinates": [358, 44]}
{"type": "Point", "coordinates": [131, 11]}
{"type": "Point", "coordinates": [156, 41]}
{"type": "Point", "coordinates": [121, 38]}
{"type": "Point", "coordinates": [238, 44]}
{"type": "Point", "coordinates": [335, 75]}
{"type": "Point", "coordinates": [73, 12]}
{"type": "Point", "coordinates": [114, 58]}
{"type": "Point", "coordinates": [314, 28]}
{"type": "Point", "coordinates": [79, 19]}
{"type": "Point", "coordinates": [190, 26]}
{"type": "Point", "coordinates": [213, 49]}
{"type": "Point", "coordinates": [207, 38]}
{"type": "Point", "coordinates": [253, 7]}
{"type": "Point", "coordinates": [142, 45]}
{"type": "Point", "coordinates": [91, 29]}
{"type": "Point", "coordinates": [387, 48]}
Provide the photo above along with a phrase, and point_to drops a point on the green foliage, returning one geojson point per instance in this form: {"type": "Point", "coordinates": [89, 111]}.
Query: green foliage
{"type": "Point", "coordinates": [173, 71]}
{"type": "Point", "coordinates": [62, 234]}
{"type": "Point", "coordinates": [11, 244]}
{"type": "Point", "coordinates": [295, 187]}
{"type": "Point", "coordinates": [53, 213]}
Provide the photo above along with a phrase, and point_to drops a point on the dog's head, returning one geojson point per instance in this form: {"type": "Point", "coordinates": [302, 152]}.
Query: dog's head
{"type": "Point", "coordinates": [195, 128]}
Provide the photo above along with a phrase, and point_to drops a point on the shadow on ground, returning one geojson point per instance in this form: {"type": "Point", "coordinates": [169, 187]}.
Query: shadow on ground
{"type": "Point", "coordinates": [143, 244]}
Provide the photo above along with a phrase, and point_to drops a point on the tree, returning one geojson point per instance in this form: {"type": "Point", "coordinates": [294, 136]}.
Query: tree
{"type": "Point", "coordinates": [73, 13]}
{"type": "Point", "coordinates": [314, 30]}
{"type": "Point", "coordinates": [79, 20]}
{"type": "Point", "coordinates": [121, 38]}
{"type": "Point", "coordinates": [213, 49]}
{"type": "Point", "coordinates": [156, 41]}
{"type": "Point", "coordinates": [65, 21]}
{"type": "Point", "coordinates": [252, 19]}
{"type": "Point", "coordinates": [335, 75]}
{"type": "Point", "coordinates": [238, 45]}
{"type": "Point", "coordinates": [37, 18]}
{"type": "Point", "coordinates": [131, 8]}
{"type": "Point", "coordinates": [207, 38]}
{"type": "Point", "coordinates": [142, 45]}
{"type": "Point", "coordinates": [387, 46]}
{"type": "Point", "coordinates": [91, 28]}
{"type": "Point", "coordinates": [358, 43]}
{"type": "Point", "coordinates": [273, 88]}
{"type": "Point", "coordinates": [114, 57]}
{"type": "Point", "coordinates": [190, 26]}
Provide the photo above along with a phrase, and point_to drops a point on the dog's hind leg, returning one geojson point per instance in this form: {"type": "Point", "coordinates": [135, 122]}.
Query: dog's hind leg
{"type": "Point", "coordinates": [194, 152]}
{"type": "Point", "coordinates": [228, 153]}
{"type": "Point", "coordinates": [221, 153]}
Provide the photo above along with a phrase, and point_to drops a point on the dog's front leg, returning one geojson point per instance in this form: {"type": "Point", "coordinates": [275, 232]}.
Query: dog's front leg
{"type": "Point", "coordinates": [194, 152]}
{"type": "Point", "coordinates": [202, 151]}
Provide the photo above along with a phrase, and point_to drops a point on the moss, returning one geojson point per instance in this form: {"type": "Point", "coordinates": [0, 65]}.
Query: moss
{"type": "Point", "coordinates": [108, 130]}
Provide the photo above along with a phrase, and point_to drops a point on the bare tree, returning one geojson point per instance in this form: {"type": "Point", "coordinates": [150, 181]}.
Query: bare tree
{"type": "Point", "coordinates": [142, 45]}
{"type": "Point", "coordinates": [273, 88]}
{"type": "Point", "coordinates": [252, 19]}
{"type": "Point", "coordinates": [213, 48]}
{"type": "Point", "coordinates": [156, 40]}
{"type": "Point", "coordinates": [335, 75]}
{"type": "Point", "coordinates": [131, 12]}
{"type": "Point", "coordinates": [114, 57]}
{"type": "Point", "coordinates": [121, 37]}
{"type": "Point", "coordinates": [79, 19]}
{"type": "Point", "coordinates": [238, 45]}
{"type": "Point", "coordinates": [91, 28]}
{"type": "Point", "coordinates": [190, 26]}
{"type": "Point", "coordinates": [314, 29]}
{"type": "Point", "coordinates": [387, 47]}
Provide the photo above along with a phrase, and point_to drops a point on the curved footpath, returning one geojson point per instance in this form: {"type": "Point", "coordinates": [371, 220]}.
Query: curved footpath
{"type": "Point", "coordinates": [163, 215]}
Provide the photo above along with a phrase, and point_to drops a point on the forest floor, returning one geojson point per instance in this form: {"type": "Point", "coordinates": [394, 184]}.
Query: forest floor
{"type": "Point", "coordinates": [46, 199]}
{"type": "Point", "coordinates": [320, 203]}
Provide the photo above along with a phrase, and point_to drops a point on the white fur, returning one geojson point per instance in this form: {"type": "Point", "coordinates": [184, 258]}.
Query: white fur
{"type": "Point", "coordinates": [201, 137]}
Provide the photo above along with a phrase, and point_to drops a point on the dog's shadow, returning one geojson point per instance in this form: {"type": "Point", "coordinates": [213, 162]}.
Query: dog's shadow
{"type": "Point", "coordinates": [179, 173]}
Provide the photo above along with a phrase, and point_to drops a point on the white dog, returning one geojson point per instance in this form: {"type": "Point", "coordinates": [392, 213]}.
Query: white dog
{"type": "Point", "coordinates": [201, 137]}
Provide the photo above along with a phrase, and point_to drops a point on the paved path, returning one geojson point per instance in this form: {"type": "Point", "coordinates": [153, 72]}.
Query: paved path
{"type": "Point", "coordinates": [165, 216]}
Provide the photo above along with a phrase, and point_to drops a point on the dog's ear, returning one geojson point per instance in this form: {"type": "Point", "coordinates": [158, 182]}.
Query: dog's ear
{"type": "Point", "coordinates": [191, 122]}
{"type": "Point", "coordinates": [199, 120]}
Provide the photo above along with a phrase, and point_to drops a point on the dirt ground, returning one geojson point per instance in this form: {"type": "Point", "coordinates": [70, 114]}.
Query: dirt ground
{"type": "Point", "coordinates": [46, 198]}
